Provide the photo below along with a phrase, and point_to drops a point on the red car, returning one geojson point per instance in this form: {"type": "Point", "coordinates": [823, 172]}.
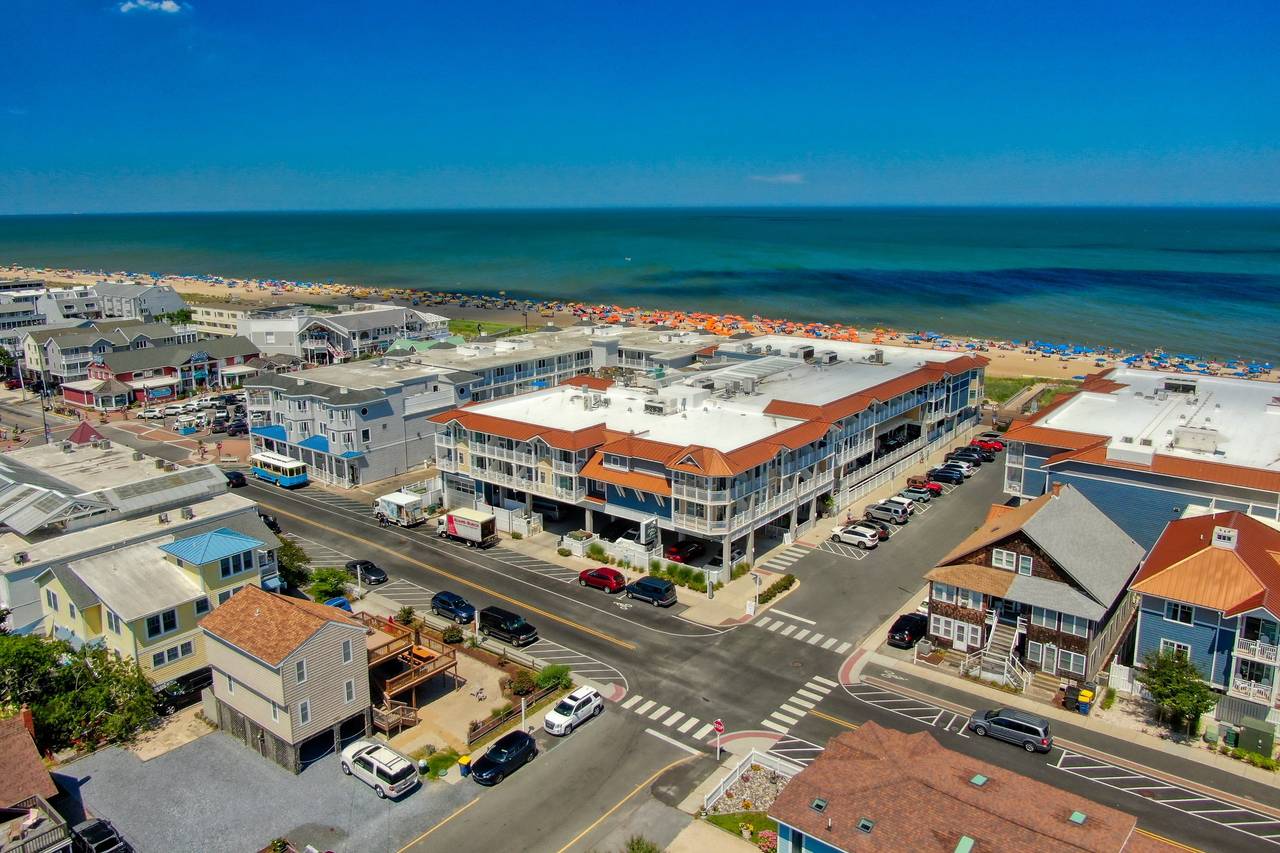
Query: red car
{"type": "Point", "coordinates": [683, 552]}
{"type": "Point", "coordinates": [994, 445]}
{"type": "Point", "coordinates": [921, 483]}
{"type": "Point", "coordinates": [12, 384]}
{"type": "Point", "coordinates": [610, 580]}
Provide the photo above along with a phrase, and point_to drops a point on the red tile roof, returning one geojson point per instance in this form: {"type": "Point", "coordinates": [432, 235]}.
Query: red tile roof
{"type": "Point", "coordinates": [22, 773]}
{"type": "Point", "coordinates": [921, 797]}
{"type": "Point", "coordinates": [595, 383]}
{"type": "Point", "coordinates": [1185, 565]}
{"type": "Point", "coordinates": [270, 627]}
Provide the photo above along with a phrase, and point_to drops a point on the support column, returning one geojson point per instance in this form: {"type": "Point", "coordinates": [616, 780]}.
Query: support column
{"type": "Point", "coordinates": [590, 525]}
{"type": "Point", "coordinates": [749, 552]}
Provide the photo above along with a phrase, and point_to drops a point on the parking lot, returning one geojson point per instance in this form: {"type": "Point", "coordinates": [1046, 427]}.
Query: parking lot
{"type": "Point", "coordinates": [231, 799]}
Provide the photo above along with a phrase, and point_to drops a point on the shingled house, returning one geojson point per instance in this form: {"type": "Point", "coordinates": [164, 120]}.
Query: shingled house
{"type": "Point", "coordinates": [1040, 587]}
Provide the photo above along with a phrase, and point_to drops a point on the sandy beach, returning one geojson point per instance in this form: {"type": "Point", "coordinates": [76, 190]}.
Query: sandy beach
{"type": "Point", "coordinates": [1007, 359]}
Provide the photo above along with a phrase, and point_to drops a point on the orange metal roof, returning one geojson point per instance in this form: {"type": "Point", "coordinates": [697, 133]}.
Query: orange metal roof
{"type": "Point", "coordinates": [1175, 466]}
{"type": "Point", "coordinates": [590, 436]}
{"type": "Point", "coordinates": [651, 483]}
{"type": "Point", "coordinates": [1032, 434]}
{"type": "Point", "coordinates": [642, 448]}
{"type": "Point", "coordinates": [1185, 565]}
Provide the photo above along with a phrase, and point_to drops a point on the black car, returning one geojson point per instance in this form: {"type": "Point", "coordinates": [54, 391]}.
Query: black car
{"type": "Point", "coordinates": [507, 626]}
{"type": "Point", "coordinates": [944, 475]}
{"type": "Point", "coordinates": [620, 529]}
{"type": "Point", "coordinates": [97, 836]}
{"type": "Point", "coordinates": [235, 479]}
{"type": "Point", "coordinates": [237, 427]}
{"type": "Point", "coordinates": [885, 530]}
{"type": "Point", "coordinates": [183, 692]}
{"type": "Point", "coordinates": [452, 606]}
{"type": "Point", "coordinates": [972, 458]}
{"type": "Point", "coordinates": [270, 522]}
{"type": "Point", "coordinates": [366, 571]}
{"type": "Point", "coordinates": [907, 630]}
{"type": "Point", "coordinates": [507, 755]}
{"type": "Point", "coordinates": [977, 452]}
{"type": "Point", "coordinates": [657, 591]}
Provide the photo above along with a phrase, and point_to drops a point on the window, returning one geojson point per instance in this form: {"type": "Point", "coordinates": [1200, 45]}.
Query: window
{"type": "Point", "coordinates": [940, 626]}
{"type": "Point", "coordinates": [1003, 559]}
{"type": "Point", "coordinates": [944, 592]}
{"type": "Point", "coordinates": [301, 669]}
{"type": "Point", "coordinates": [1024, 565]}
{"type": "Point", "coordinates": [162, 623]}
{"type": "Point", "coordinates": [1174, 646]}
{"type": "Point", "coordinates": [364, 436]}
{"type": "Point", "coordinates": [1175, 611]}
{"type": "Point", "coordinates": [1071, 662]}
{"type": "Point", "coordinates": [349, 691]}
{"type": "Point", "coordinates": [231, 685]}
{"type": "Point", "coordinates": [202, 606]}
{"type": "Point", "coordinates": [236, 563]}
{"type": "Point", "coordinates": [223, 596]}
{"type": "Point", "coordinates": [157, 660]}
{"type": "Point", "coordinates": [1034, 652]}
{"type": "Point", "coordinates": [113, 622]}
{"type": "Point", "coordinates": [1077, 625]}
{"type": "Point", "coordinates": [1252, 670]}
{"type": "Point", "coordinates": [1044, 618]}
{"type": "Point", "coordinates": [51, 599]}
{"type": "Point", "coordinates": [304, 711]}
{"type": "Point", "coordinates": [187, 648]}
{"type": "Point", "coordinates": [969, 598]}
{"type": "Point", "coordinates": [346, 651]}
{"type": "Point", "coordinates": [275, 713]}
{"type": "Point", "coordinates": [71, 610]}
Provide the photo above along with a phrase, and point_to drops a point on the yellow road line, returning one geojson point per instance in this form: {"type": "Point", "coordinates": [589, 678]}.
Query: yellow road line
{"type": "Point", "coordinates": [1169, 841]}
{"type": "Point", "coordinates": [438, 825]}
{"type": "Point", "coordinates": [836, 720]}
{"type": "Point", "coordinates": [400, 556]}
{"type": "Point", "coordinates": [620, 803]}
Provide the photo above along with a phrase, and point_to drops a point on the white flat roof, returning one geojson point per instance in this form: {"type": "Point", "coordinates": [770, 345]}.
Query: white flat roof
{"type": "Point", "coordinates": [137, 581]}
{"type": "Point", "coordinates": [368, 375]}
{"type": "Point", "coordinates": [88, 468]}
{"type": "Point", "coordinates": [721, 424]}
{"type": "Point", "coordinates": [1243, 415]}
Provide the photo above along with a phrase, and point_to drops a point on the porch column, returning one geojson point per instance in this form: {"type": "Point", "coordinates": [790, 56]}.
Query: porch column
{"type": "Point", "coordinates": [749, 552]}
{"type": "Point", "coordinates": [813, 508]}
{"type": "Point", "coordinates": [591, 514]}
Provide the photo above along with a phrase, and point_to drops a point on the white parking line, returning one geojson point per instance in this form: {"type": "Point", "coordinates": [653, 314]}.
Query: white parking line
{"type": "Point", "coordinates": [673, 742]}
{"type": "Point", "coordinates": [793, 616]}
{"type": "Point", "coordinates": [688, 724]}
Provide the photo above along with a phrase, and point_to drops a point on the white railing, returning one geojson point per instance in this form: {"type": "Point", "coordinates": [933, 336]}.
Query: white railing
{"type": "Point", "coordinates": [697, 493]}
{"type": "Point", "coordinates": [1257, 649]}
{"type": "Point", "coordinates": [770, 762]}
{"type": "Point", "coordinates": [1254, 690]}
{"type": "Point", "coordinates": [564, 467]}
{"type": "Point", "coordinates": [1016, 673]}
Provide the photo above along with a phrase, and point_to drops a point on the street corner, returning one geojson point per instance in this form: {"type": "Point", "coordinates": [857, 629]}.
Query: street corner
{"type": "Point", "coordinates": [851, 669]}
{"type": "Point", "coordinates": [742, 742]}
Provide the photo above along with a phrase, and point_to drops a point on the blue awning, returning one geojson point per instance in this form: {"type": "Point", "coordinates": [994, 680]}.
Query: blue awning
{"type": "Point", "coordinates": [272, 583]}
{"type": "Point", "coordinates": [351, 454]}
{"type": "Point", "coordinates": [153, 393]}
{"type": "Point", "coordinates": [274, 431]}
{"type": "Point", "coordinates": [315, 442]}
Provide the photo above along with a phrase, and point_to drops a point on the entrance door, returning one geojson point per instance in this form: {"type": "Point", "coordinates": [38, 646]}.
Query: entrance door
{"type": "Point", "coordinates": [1049, 661]}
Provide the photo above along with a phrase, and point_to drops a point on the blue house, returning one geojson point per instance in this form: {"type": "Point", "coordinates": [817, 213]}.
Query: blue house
{"type": "Point", "coordinates": [1210, 589]}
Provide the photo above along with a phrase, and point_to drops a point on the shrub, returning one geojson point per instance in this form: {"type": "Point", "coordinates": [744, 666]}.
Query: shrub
{"type": "Point", "coordinates": [738, 571]}
{"type": "Point", "coordinates": [684, 574]}
{"type": "Point", "coordinates": [1257, 760]}
{"type": "Point", "coordinates": [596, 551]}
{"type": "Point", "coordinates": [405, 615]}
{"type": "Point", "coordinates": [781, 585]}
{"type": "Point", "coordinates": [452, 634]}
{"type": "Point", "coordinates": [654, 565]}
{"type": "Point", "coordinates": [563, 552]}
{"type": "Point", "coordinates": [516, 534]}
{"type": "Point", "coordinates": [555, 675]}
{"type": "Point", "coordinates": [1108, 699]}
{"type": "Point", "coordinates": [278, 845]}
{"type": "Point", "coordinates": [522, 683]}
{"type": "Point", "coordinates": [499, 712]}
{"type": "Point", "coordinates": [329, 583]}
{"type": "Point", "coordinates": [697, 585]}
{"type": "Point", "coordinates": [639, 844]}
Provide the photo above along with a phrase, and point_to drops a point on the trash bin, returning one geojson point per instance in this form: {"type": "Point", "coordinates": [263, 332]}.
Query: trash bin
{"type": "Point", "coordinates": [1084, 707]}
{"type": "Point", "coordinates": [1230, 736]}
{"type": "Point", "coordinates": [1072, 697]}
{"type": "Point", "coordinates": [464, 765]}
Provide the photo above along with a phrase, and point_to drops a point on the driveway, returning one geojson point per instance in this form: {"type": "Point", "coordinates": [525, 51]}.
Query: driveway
{"type": "Point", "coordinates": [215, 795]}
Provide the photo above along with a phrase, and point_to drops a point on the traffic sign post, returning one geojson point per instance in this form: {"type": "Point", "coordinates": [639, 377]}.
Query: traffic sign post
{"type": "Point", "coordinates": [718, 725]}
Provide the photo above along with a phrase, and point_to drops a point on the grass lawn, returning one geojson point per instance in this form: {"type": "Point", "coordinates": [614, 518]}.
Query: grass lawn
{"type": "Point", "coordinates": [758, 820]}
{"type": "Point", "coordinates": [1001, 389]}
{"type": "Point", "coordinates": [437, 761]}
{"type": "Point", "coordinates": [474, 328]}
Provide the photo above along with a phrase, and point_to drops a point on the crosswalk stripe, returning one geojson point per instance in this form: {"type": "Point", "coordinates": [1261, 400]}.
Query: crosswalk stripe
{"type": "Point", "coordinates": [673, 718]}
{"type": "Point", "coordinates": [770, 724]}
{"type": "Point", "coordinates": [801, 635]}
{"type": "Point", "coordinates": [791, 710]}
{"type": "Point", "coordinates": [796, 700]}
{"type": "Point", "coordinates": [702, 732]}
{"type": "Point", "coordinates": [818, 687]}
{"type": "Point", "coordinates": [763, 622]}
{"type": "Point", "coordinates": [842, 648]}
{"type": "Point", "coordinates": [658, 713]}
{"type": "Point", "coordinates": [817, 697]}
{"type": "Point", "coordinates": [788, 630]}
{"type": "Point", "coordinates": [688, 724]}
{"type": "Point", "coordinates": [815, 638]}
{"type": "Point", "coordinates": [831, 641]}
{"type": "Point", "coordinates": [644, 709]}
{"type": "Point", "coordinates": [791, 721]}
{"type": "Point", "coordinates": [826, 681]}
{"type": "Point", "coordinates": [776, 625]}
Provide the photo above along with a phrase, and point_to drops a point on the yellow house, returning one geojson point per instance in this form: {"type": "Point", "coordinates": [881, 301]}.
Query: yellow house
{"type": "Point", "coordinates": [146, 601]}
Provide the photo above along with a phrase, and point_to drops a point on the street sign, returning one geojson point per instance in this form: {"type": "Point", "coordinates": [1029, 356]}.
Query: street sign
{"type": "Point", "coordinates": [718, 725]}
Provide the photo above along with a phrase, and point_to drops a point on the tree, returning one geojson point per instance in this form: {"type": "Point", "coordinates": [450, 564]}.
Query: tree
{"type": "Point", "coordinates": [295, 565]}
{"type": "Point", "coordinates": [4, 620]}
{"type": "Point", "coordinates": [99, 697]}
{"type": "Point", "coordinates": [329, 583]}
{"type": "Point", "coordinates": [175, 318]}
{"type": "Point", "coordinates": [1177, 688]}
{"type": "Point", "coordinates": [28, 667]}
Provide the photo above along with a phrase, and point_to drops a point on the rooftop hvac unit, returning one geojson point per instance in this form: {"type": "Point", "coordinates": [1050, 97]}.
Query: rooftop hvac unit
{"type": "Point", "coordinates": [827, 357]}
{"type": "Point", "coordinates": [137, 456]}
{"type": "Point", "coordinates": [66, 446]}
{"type": "Point", "coordinates": [188, 512]}
{"type": "Point", "coordinates": [159, 463]}
{"type": "Point", "coordinates": [20, 557]}
{"type": "Point", "coordinates": [804, 351]}
{"type": "Point", "coordinates": [163, 518]}
{"type": "Point", "coordinates": [169, 466]}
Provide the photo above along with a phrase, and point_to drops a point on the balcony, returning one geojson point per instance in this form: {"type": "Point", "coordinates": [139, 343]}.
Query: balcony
{"type": "Point", "coordinates": [1254, 691]}
{"type": "Point", "coordinates": [696, 493]}
{"type": "Point", "coordinates": [1258, 650]}
{"type": "Point", "coordinates": [48, 832]}
{"type": "Point", "coordinates": [568, 468]}
{"type": "Point", "coordinates": [494, 452]}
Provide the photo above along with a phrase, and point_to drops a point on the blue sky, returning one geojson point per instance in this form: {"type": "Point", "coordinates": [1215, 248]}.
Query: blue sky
{"type": "Point", "coordinates": [144, 105]}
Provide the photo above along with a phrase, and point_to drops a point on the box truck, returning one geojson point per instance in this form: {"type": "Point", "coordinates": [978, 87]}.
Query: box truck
{"type": "Point", "coordinates": [474, 528]}
{"type": "Point", "coordinates": [403, 509]}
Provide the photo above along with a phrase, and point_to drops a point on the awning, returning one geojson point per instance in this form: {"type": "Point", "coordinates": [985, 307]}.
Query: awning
{"type": "Point", "coordinates": [199, 374]}
{"type": "Point", "coordinates": [239, 370]}
{"type": "Point", "coordinates": [154, 393]}
{"type": "Point", "coordinates": [155, 382]}
{"type": "Point", "coordinates": [272, 583]}
{"type": "Point", "coordinates": [315, 442]}
{"type": "Point", "coordinates": [351, 454]}
{"type": "Point", "coordinates": [83, 385]}
{"type": "Point", "coordinates": [273, 431]}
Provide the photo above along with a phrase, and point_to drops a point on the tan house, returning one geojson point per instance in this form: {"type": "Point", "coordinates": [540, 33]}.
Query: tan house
{"type": "Point", "coordinates": [290, 677]}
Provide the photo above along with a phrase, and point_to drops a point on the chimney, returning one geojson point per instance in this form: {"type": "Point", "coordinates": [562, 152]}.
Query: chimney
{"type": "Point", "coordinates": [28, 720]}
{"type": "Point", "coordinates": [1225, 538]}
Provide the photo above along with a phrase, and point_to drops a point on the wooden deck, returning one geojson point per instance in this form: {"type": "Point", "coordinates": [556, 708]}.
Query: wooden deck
{"type": "Point", "coordinates": [419, 657]}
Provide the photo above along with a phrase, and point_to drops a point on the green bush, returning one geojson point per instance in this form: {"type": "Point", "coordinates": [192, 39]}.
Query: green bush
{"type": "Point", "coordinates": [452, 634]}
{"type": "Point", "coordinates": [522, 683]}
{"type": "Point", "coordinates": [738, 571]}
{"type": "Point", "coordinates": [1108, 699]}
{"type": "Point", "coordinates": [329, 583]}
{"type": "Point", "coordinates": [639, 844]}
{"type": "Point", "coordinates": [1256, 759]}
{"type": "Point", "coordinates": [654, 565]}
{"type": "Point", "coordinates": [516, 534]}
{"type": "Point", "coordinates": [405, 615]}
{"type": "Point", "coordinates": [555, 675]}
{"type": "Point", "coordinates": [563, 552]}
{"type": "Point", "coordinates": [596, 551]}
{"type": "Point", "coordinates": [697, 585]}
{"type": "Point", "coordinates": [781, 585]}
{"type": "Point", "coordinates": [684, 574]}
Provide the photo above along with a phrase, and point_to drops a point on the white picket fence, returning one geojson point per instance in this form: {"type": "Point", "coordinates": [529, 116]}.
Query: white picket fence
{"type": "Point", "coordinates": [765, 760]}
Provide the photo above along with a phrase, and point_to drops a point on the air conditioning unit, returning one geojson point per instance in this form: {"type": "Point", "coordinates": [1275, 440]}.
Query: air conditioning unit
{"type": "Point", "coordinates": [188, 512]}
{"type": "Point", "coordinates": [20, 557]}
{"type": "Point", "coordinates": [169, 466]}
{"type": "Point", "coordinates": [159, 464]}
{"type": "Point", "coordinates": [66, 447]}
{"type": "Point", "coordinates": [163, 518]}
{"type": "Point", "coordinates": [137, 456]}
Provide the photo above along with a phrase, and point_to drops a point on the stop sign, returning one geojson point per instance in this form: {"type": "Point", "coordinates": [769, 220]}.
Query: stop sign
{"type": "Point", "coordinates": [718, 725]}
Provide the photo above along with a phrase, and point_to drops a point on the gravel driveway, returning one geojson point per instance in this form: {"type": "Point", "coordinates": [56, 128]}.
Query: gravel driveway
{"type": "Point", "coordinates": [216, 795]}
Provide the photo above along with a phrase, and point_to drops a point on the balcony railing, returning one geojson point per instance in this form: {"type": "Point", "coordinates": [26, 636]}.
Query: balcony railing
{"type": "Point", "coordinates": [1258, 649]}
{"type": "Point", "coordinates": [696, 493]}
{"type": "Point", "coordinates": [1252, 690]}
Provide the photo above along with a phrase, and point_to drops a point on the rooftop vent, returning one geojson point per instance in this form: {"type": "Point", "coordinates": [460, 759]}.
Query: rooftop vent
{"type": "Point", "coordinates": [188, 512]}
{"type": "Point", "coordinates": [20, 557]}
{"type": "Point", "coordinates": [979, 780]}
{"type": "Point", "coordinates": [66, 446]}
{"type": "Point", "coordinates": [866, 824]}
{"type": "Point", "coordinates": [163, 518]}
{"type": "Point", "coordinates": [159, 463]}
{"type": "Point", "coordinates": [1225, 537]}
{"type": "Point", "coordinates": [1077, 818]}
{"type": "Point", "coordinates": [818, 805]}
{"type": "Point", "coordinates": [964, 845]}
{"type": "Point", "coordinates": [137, 456]}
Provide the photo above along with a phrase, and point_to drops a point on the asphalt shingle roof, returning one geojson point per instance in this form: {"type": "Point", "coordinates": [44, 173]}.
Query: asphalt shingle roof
{"type": "Point", "coordinates": [128, 361]}
{"type": "Point", "coordinates": [270, 627]}
{"type": "Point", "coordinates": [22, 773]}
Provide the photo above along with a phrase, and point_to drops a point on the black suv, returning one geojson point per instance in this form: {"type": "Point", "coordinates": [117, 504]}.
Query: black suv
{"type": "Point", "coordinates": [907, 630]}
{"type": "Point", "coordinates": [941, 475]}
{"type": "Point", "coordinates": [507, 755]}
{"type": "Point", "coordinates": [657, 591]}
{"type": "Point", "coordinates": [507, 626]}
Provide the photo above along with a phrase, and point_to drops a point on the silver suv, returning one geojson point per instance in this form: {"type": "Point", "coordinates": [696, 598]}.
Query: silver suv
{"type": "Point", "coordinates": [894, 513]}
{"type": "Point", "coordinates": [1027, 730]}
{"type": "Point", "coordinates": [389, 773]}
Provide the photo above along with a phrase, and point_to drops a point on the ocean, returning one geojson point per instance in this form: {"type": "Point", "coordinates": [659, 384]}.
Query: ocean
{"type": "Point", "coordinates": [1195, 280]}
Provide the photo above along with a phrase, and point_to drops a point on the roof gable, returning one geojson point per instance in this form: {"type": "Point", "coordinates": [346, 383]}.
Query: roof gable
{"type": "Point", "coordinates": [270, 627]}
{"type": "Point", "coordinates": [212, 546]}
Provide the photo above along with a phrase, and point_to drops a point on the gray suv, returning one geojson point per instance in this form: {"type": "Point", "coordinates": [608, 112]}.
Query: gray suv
{"type": "Point", "coordinates": [1027, 730]}
{"type": "Point", "coordinates": [894, 513]}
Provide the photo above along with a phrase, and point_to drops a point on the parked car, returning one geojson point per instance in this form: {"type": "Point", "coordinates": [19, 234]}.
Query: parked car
{"type": "Point", "coordinates": [970, 459]}
{"type": "Point", "coordinates": [367, 571]}
{"type": "Point", "coordinates": [887, 512]}
{"type": "Point", "coordinates": [993, 436]}
{"type": "Point", "coordinates": [270, 522]}
{"type": "Point", "coordinates": [221, 414]}
{"type": "Point", "coordinates": [976, 453]}
{"type": "Point", "coordinates": [907, 630]}
{"type": "Point", "coordinates": [919, 482]}
{"type": "Point", "coordinates": [885, 530]}
{"type": "Point", "coordinates": [918, 495]}
{"type": "Point", "coordinates": [340, 603]}
{"type": "Point", "coordinates": [206, 403]}
{"type": "Point", "coordinates": [235, 479]}
{"type": "Point", "coordinates": [191, 407]}
{"type": "Point", "coordinates": [659, 592]}
{"type": "Point", "coordinates": [218, 426]}
{"type": "Point", "coordinates": [1029, 731]}
{"type": "Point", "coordinates": [610, 580]}
{"type": "Point", "coordinates": [863, 537]}
{"type": "Point", "coordinates": [450, 605]}
{"type": "Point", "coordinates": [97, 836]}
{"type": "Point", "coordinates": [507, 755]}
{"type": "Point", "coordinates": [992, 444]}
{"type": "Point", "coordinates": [906, 503]}
{"type": "Point", "coordinates": [151, 414]}
{"type": "Point", "coordinates": [951, 476]}
{"type": "Point", "coordinates": [717, 558]}
{"type": "Point", "coordinates": [238, 427]}
{"type": "Point", "coordinates": [686, 551]}
{"type": "Point", "coordinates": [507, 626]}
{"type": "Point", "coordinates": [12, 384]}
{"type": "Point", "coordinates": [618, 528]}
{"type": "Point", "coordinates": [171, 410]}
{"type": "Point", "coordinates": [965, 469]}
{"type": "Point", "coordinates": [573, 710]}
{"type": "Point", "coordinates": [386, 771]}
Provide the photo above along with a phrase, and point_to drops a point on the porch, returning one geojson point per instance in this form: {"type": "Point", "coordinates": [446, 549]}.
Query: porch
{"type": "Point", "coordinates": [400, 660]}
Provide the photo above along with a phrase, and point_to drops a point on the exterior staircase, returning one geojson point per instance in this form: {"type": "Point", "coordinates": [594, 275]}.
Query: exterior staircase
{"type": "Point", "coordinates": [999, 649]}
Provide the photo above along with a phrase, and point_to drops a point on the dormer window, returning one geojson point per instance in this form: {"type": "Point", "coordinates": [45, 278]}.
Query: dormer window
{"type": "Point", "coordinates": [613, 460]}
